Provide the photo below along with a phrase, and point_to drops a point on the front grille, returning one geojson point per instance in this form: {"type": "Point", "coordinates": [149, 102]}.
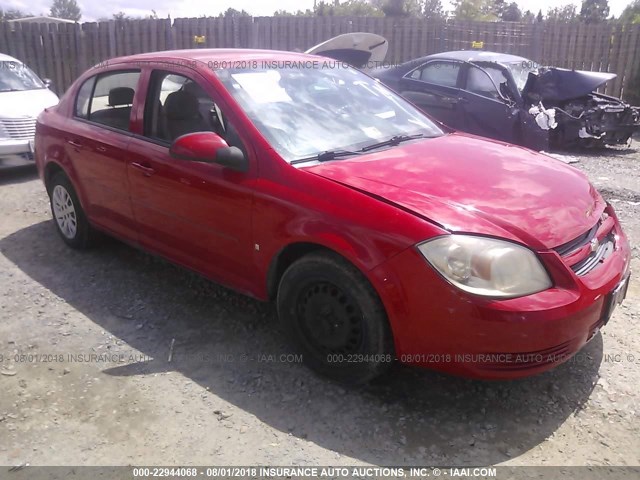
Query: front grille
{"type": "Point", "coordinates": [606, 248]}
{"type": "Point", "coordinates": [19, 128]}
{"type": "Point", "coordinates": [578, 242]}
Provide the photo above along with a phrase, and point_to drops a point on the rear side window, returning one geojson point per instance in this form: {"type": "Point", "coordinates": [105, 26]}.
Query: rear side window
{"type": "Point", "coordinates": [438, 73]}
{"type": "Point", "coordinates": [107, 99]}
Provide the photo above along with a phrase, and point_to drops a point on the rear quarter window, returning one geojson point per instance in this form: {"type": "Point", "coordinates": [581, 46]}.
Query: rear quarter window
{"type": "Point", "coordinates": [83, 99]}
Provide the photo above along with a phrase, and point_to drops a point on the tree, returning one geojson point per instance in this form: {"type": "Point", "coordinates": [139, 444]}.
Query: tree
{"type": "Point", "coordinates": [394, 8]}
{"type": "Point", "coordinates": [361, 8]}
{"type": "Point", "coordinates": [12, 14]}
{"type": "Point", "coordinates": [539, 17]}
{"type": "Point", "coordinates": [631, 14]}
{"type": "Point", "coordinates": [566, 13]}
{"type": "Point", "coordinates": [528, 17]}
{"type": "Point", "coordinates": [594, 11]}
{"type": "Point", "coordinates": [512, 13]}
{"type": "Point", "coordinates": [433, 10]}
{"type": "Point", "coordinates": [120, 16]}
{"type": "Point", "coordinates": [68, 9]}
{"type": "Point", "coordinates": [233, 13]}
{"type": "Point", "coordinates": [483, 10]}
{"type": "Point", "coordinates": [400, 8]}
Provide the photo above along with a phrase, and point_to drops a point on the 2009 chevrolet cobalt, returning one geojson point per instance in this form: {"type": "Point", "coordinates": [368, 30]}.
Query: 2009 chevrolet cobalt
{"type": "Point", "coordinates": [380, 234]}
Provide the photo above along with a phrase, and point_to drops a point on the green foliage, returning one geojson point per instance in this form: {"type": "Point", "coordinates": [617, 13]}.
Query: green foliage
{"type": "Point", "coordinates": [482, 10]}
{"type": "Point", "coordinates": [631, 14]}
{"type": "Point", "coordinates": [433, 10]}
{"type": "Point", "coordinates": [371, 8]}
{"type": "Point", "coordinates": [594, 11]}
{"type": "Point", "coordinates": [68, 9]}
{"type": "Point", "coordinates": [233, 13]}
{"type": "Point", "coordinates": [566, 13]}
{"type": "Point", "coordinates": [512, 13]}
{"type": "Point", "coordinates": [13, 14]}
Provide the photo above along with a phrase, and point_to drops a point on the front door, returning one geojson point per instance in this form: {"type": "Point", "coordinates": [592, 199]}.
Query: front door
{"type": "Point", "coordinates": [486, 112]}
{"type": "Point", "coordinates": [197, 214]}
{"type": "Point", "coordinates": [433, 87]}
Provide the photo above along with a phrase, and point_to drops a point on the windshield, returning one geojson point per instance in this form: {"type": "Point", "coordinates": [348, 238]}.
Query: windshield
{"type": "Point", "coordinates": [306, 111]}
{"type": "Point", "coordinates": [14, 76]}
{"type": "Point", "coordinates": [520, 71]}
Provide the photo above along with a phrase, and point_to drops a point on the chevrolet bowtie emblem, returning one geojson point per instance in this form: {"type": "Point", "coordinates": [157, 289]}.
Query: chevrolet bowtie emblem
{"type": "Point", "coordinates": [594, 243]}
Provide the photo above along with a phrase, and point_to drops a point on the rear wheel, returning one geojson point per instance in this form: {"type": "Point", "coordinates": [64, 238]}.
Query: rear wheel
{"type": "Point", "coordinates": [68, 216]}
{"type": "Point", "coordinates": [333, 314]}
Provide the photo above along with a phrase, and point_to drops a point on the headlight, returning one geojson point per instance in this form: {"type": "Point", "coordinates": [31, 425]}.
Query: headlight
{"type": "Point", "coordinates": [486, 266]}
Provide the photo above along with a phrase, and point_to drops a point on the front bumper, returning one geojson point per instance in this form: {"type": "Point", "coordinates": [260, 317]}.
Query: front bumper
{"type": "Point", "coordinates": [15, 153]}
{"type": "Point", "coordinates": [436, 325]}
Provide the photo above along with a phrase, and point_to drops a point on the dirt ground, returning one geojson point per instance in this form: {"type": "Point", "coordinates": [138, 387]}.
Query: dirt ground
{"type": "Point", "coordinates": [85, 376]}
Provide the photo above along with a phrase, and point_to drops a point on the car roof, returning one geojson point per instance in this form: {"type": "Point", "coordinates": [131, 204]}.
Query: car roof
{"type": "Point", "coordinates": [215, 54]}
{"type": "Point", "coordinates": [7, 58]}
{"type": "Point", "coordinates": [478, 56]}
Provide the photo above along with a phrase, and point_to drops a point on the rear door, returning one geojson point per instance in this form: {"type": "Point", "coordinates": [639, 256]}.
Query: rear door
{"type": "Point", "coordinates": [97, 143]}
{"type": "Point", "coordinates": [197, 214]}
{"type": "Point", "coordinates": [434, 88]}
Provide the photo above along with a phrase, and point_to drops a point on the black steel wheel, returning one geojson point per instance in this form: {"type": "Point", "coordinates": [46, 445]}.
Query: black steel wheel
{"type": "Point", "coordinates": [335, 318]}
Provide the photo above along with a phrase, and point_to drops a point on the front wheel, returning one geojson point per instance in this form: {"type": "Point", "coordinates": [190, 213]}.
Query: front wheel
{"type": "Point", "coordinates": [335, 317]}
{"type": "Point", "coordinates": [68, 216]}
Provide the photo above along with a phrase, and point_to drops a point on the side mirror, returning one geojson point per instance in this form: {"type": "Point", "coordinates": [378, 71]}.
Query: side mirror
{"type": "Point", "coordinates": [47, 82]}
{"type": "Point", "coordinates": [208, 147]}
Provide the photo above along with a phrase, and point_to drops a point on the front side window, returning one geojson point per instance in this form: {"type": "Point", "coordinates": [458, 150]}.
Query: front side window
{"type": "Point", "coordinates": [305, 111]}
{"type": "Point", "coordinates": [16, 76]}
{"type": "Point", "coordinates": [107, 99]}
{"type": "Point", "coordinates": [177, 105]}
{"type": "Point", "coordinates": [438, 72]}
{"type": "Point", "coordinates": [480, 82]}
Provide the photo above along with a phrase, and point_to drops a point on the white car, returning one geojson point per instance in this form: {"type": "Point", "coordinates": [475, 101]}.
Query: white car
{"type": "Point", "coordinates": [23, 95]}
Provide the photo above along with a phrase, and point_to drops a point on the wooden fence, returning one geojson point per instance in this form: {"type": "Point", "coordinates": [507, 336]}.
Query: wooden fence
{"type": "Point", "coordinates": [63, 51]}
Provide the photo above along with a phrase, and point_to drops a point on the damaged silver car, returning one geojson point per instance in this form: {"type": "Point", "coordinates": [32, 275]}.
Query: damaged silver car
{"type": "Point", "coordinates": [513, 99]}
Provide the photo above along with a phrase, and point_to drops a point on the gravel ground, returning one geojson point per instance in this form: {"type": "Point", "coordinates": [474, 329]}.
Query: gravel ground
{"type": "Point", "coordinates": [228, 398]}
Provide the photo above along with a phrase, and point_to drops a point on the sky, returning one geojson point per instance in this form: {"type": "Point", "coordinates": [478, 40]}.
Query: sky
{"type": "Point", "coordinates": [94, 9]}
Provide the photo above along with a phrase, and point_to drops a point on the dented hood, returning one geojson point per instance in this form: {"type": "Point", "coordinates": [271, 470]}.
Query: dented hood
{"type": "Point", "coordinates": [560, 84]}
{"type": "Point", "coordinates": [466, 184]}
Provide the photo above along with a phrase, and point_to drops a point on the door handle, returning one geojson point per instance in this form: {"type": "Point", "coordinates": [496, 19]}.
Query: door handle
{"type": "Point", "coordinates": [146, 171]}
{"type": "Point", "coordinates": [74, 143]}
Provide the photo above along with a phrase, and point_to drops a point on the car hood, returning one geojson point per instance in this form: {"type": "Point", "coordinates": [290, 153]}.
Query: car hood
{"type": "Point", "coordinates": [467, 184]}
{"type": "Point", "coordinates": [560, 84]}
{"type": "Point", "coordinates": [360, 49]}
{"type": "Point", "coordinates": [27, 103]}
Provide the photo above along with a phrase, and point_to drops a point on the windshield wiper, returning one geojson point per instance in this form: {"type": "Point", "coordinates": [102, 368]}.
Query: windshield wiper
{"type": "Point", "coordinates": [326, 156]}
{"type": "Point", "coordinates": [392, 142]}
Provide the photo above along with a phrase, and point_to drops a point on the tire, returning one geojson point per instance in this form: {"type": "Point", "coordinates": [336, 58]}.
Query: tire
{"type": "Point", "coordinates": [333, 315]}
{"type": "Point", "coordinates": [68, 216]}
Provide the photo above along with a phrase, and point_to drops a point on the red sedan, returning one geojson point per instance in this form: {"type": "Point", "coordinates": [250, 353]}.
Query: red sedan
{"type": "Point", "coordinates": [381, 235]}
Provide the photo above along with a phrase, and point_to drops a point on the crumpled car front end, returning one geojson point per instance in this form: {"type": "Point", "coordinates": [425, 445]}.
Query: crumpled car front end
{"type": "Point", "coordinates": [584, 118]}
{"type": "Point", "coordinates": [597, 120]}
